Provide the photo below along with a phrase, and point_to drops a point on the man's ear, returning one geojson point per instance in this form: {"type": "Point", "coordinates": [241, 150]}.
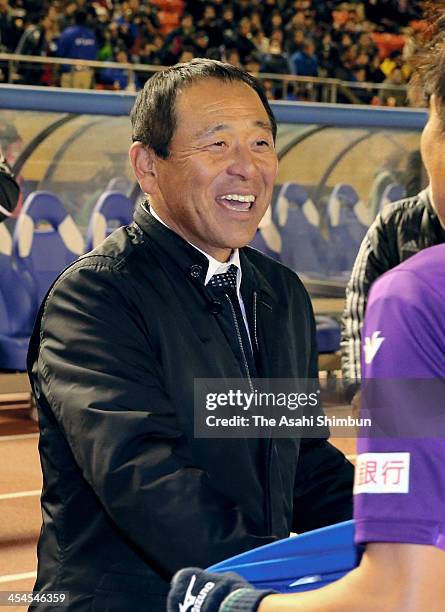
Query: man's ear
{"type": "Point", "coordinates": [142, 159]}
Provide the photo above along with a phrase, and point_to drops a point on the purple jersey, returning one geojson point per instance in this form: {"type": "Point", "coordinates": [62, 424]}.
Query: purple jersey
{"type": "Point", "coordinates": [400, 483]}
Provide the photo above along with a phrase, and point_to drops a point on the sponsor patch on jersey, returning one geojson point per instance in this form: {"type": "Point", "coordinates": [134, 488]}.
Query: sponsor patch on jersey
{"type": "Point", "coordinates": [382, 473]}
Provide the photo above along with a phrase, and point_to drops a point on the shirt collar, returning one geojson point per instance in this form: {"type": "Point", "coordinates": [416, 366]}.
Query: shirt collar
{"type": "Point", "coordinates": [215, 266]}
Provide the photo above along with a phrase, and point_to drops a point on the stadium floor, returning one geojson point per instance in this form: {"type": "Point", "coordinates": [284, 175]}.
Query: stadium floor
{"type": "Point", "coordinates": [20, 486]}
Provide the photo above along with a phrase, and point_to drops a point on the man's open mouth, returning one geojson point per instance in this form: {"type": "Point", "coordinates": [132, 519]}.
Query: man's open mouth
{"type": "Point", "coordinates": [237, 201]}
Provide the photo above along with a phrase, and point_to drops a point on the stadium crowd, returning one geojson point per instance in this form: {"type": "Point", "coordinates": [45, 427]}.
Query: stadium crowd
{"type": "Point", "coordinates": [353, 41]}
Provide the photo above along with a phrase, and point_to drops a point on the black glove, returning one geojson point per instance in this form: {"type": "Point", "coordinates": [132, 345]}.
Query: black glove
{"type": "Point", "coordinates": [195, 590]}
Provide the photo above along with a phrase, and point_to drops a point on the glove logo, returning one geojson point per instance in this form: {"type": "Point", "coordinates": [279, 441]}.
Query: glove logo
{"type": "Point", "coordinates": [194, 602]}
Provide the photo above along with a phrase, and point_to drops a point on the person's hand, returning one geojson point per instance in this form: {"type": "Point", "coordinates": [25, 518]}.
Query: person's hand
{"type": "Point", "coordinates": [196, 589]}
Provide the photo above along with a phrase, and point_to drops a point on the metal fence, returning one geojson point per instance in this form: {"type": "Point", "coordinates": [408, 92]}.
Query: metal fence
{"type": "Point", "coordinates": [29, 69]}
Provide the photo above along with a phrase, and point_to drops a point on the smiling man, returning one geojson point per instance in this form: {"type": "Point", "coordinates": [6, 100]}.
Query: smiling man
{"type": "Point", "coordinates": [130, 495]}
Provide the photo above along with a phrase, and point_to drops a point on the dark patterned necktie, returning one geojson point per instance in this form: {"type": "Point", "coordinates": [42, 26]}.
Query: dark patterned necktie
{"type": "Point", "coordinates": [226, 279]}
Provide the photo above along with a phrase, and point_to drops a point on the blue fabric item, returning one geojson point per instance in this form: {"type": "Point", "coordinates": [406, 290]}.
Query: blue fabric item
{"type": "Point", "coordinates": [117, 209]}
{"type": "Point", "coordinates": [110, 76]}
{"type": "Point", "coordinates": [392, 193]}
{"type": "Point", "coordinates": [304, 249]}
{"type": "Point", "coordinates": [345, 230]}
{"type": "Point", "coordinates": [304, 64]}
{"type": "Point", "coordinates": [17, 313]}
{"type": "Point", "coordinates": [77, 42]}
{"type": "Point", "coordinates": [259, 244]}
{"type": "Point", "coordinates": [49, 254]}
{"type": "Point", "coordinates": [328, 334]}
{"type": "Point", "coordinates": [305, 562]}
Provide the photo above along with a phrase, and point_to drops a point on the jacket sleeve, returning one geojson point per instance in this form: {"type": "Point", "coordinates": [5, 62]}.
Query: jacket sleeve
{"type": "Point", "coordinates": [373, 259]}
{"type": "Point", "coordinates": [102, 381]}
{"type": "Point", "coordinates": [323, 487]}
{"type": "Point", "coordinates": [324, 477]}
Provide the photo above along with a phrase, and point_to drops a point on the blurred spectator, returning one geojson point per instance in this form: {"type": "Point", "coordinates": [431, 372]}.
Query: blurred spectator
{"type": "Point", "coordinates": [260, 41]}
{"type": "Point", "coordinates": [243, 40]}
{"type": "Point", "coordinates": [374, 73]}
{"type": "Point", "coordinates": [233, 57]}
{"type": "Point", "coordinates": [188, 53]}
{"type": "Point", "coordinates": [226, 24]}
{"type": "Point", "coordinates": [256, 21]}
{"type": "Point", "coordinates": [201, 44]}
{"type": "Point", "coordinates": [269, 89]}
{"type": "Point", "coordinates": [253, 64]}
{"type": "Point", "coordinates": [174, 41]}
{"type": "Point", "coordinates": [275, 21]}
{"type": "Point", "coordinates": [296, 42]}
{"type": "Point", "coordinates": [209, 25]}
{"type": "Point", "coordinates": [276, 62]}
{"type": "Point", "coordinates": [77, 42]}
{"type": "Point", "coordinates": [364, 95]}
{"type": "Point", "coordinates": [342, 33]}
{"type": "Point", "coordinates": [8, 32]}
{"type": "Point", "coordinates": [394, 96]}
{"type": "Point", "coordinates": [32, 42]}
{"type": "Point", "coordinates": [304, 62]}
{"type": "Point", "coordinates": [328, 56]}
{"type": "Point", "coordinates": [116, 78]}
{"type": "Point", "coordinates": [150, 54]}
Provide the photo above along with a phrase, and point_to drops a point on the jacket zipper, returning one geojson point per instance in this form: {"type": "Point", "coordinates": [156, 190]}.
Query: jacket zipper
{"type": "Point", "coordinates": [254, 321]}
{"type": "Point", "coordinates": [240, 341]}
{"type": "Point", "coordinates": [268, 488]}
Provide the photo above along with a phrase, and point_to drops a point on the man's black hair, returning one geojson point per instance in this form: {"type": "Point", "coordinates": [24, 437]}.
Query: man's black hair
{"type": "Point", "coordinates": [153, 116]}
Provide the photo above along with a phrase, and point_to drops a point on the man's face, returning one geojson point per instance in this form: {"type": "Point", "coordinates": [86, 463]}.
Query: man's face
{"type": "Point", "coordinates": [216, 184]}
{"type": "Point", "coordinates": [432, 146]}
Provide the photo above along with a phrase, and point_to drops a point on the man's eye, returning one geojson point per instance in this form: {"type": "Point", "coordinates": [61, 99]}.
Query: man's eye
{"type": "Point", "coordinates": [262, 143]}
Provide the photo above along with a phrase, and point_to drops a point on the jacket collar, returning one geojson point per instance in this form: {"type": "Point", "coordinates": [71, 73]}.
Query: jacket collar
{"type": "Point", "coordinates": [193, 263]}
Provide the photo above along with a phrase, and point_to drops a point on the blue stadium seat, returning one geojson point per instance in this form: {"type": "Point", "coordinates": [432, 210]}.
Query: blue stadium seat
{"type": "Point", "coordinates": [259, 243]}
{"type": "Point", "coordinates": [17, 309]}
{"type": "Point", "coordinates": [328, 334]}
{"type": "Point", "coordinates": [303, 248]}
{"type": "Point", "coordinates": [302, 563]}
{"type": "Point", "coordinates": [392, 193]}
{"type": "Point", "coordinates": [45, 240]}
{"type": "Point", "coordinates": [345, 229]}
{"type": "Point", "coordinates": [113, 209]}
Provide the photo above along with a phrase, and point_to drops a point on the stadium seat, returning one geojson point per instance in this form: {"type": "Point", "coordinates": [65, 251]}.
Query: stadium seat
{"type": "Point", "coordinates": [392, 193]}
{"type": "Point", "coordinates": [303, 248]}
{"type": "Point", "coordinates": [113, 209]}
{"type": "Point", "coordinates": [346, 231]}
{"type": "Point", "coordinates": [328, 334]}
{"type": "Point", "coordinates": [45, 240]}
{"type": "Point", "coordinates": [17, 309]}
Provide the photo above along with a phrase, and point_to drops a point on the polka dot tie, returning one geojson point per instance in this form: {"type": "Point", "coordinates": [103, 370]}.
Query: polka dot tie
{"type": "Point", "coordinates": [227, 279]}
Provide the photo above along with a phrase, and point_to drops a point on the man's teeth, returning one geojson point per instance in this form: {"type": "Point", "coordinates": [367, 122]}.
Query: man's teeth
{"type": "Point", "coordinates": [238, 197]}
